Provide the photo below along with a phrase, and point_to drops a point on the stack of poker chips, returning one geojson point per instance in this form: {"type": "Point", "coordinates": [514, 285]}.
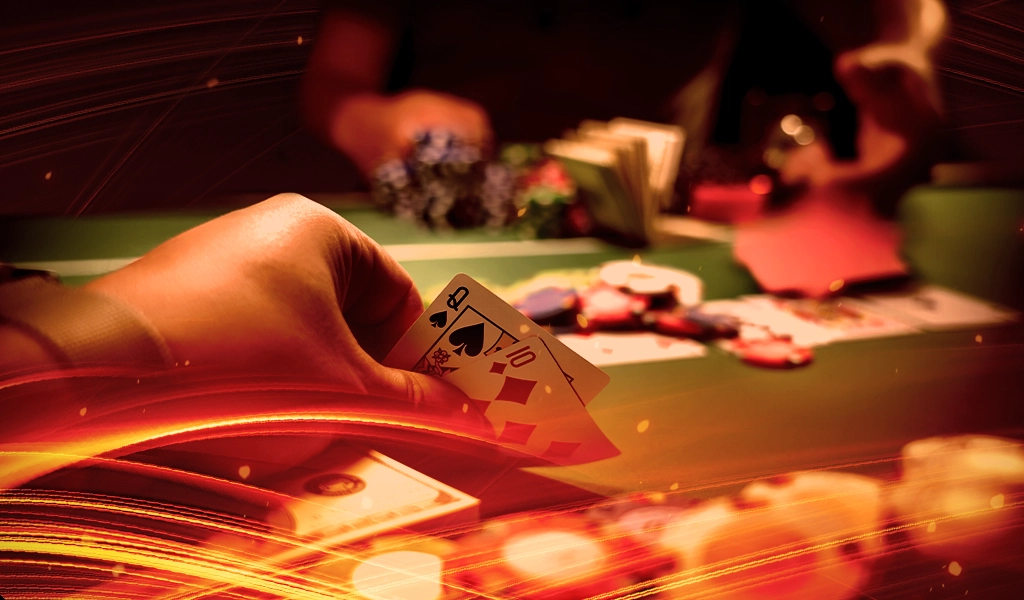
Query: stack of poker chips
{"type": "Point", "coordinates": [445, 183]}
{"type": "Point", "coordinates": [808, 535]}
{"type": "Point", "coordinates": [629, 296]}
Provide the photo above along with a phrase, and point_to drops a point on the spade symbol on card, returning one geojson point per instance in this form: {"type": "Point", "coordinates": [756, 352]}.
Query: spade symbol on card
{"type": "Point", "coordinates": [439, 319]}
{"type": "Point", "coordinates": [469, 339]}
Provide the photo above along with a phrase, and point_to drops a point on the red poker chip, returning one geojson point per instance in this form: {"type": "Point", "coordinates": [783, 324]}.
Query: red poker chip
{"type": "Point", "coordinates": [674, 323]}
{"type": "Point", "coordinates": [775, 353]}
{"type": "Point", "coordinates": [605, 307]}
{"type": "Point", "coordinates": [552, 556]}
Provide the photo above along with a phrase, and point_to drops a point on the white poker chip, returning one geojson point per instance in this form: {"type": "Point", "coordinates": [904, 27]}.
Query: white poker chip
{"type": "Point", "coordinates": [640, 278]}
{"type": "Point", "coordinates": [841, 511]}
{"type": "Point", "coordinates": [783, 540]}
{"type": "Point", "coordinates": [959, 495]}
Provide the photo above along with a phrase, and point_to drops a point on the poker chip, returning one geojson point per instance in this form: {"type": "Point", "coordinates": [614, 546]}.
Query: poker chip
{"type": "Point", "coordinates": [674, 323]}
{"type": "Point", "coordinates": [551, 306]}
{"type": "Point", "coordinates": [396, 568]}
{"type": "Point", "coordinates": [715, 326]}
{"type": "Point", "coordinates": [959, 498]}
{"type": "Point", "coordinates": [782, 546]}
{"type": "Point", "coordinates": [774, 352]}
{"type": "Point", "coordinates": [639, 278]}
{"type": "Point", "coordinates": [552, 556]}
{"type": "Point", "coordinates": [604, 307]}
{"type": "Point", "coordinates": [444, 183]}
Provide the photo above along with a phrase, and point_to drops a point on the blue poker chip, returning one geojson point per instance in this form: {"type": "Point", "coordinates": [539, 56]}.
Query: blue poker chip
{"type": "Point", "coordinates": [715, 326]}
{"type": "Point", "coordinates": [552, 306]}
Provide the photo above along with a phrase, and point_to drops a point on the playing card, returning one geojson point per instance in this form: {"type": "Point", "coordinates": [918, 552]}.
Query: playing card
{"type": "Point", "coordinates": [522, 392]}
{"type": "Point", "coordinates": [807, 322]}
{"type": "Point", "coordinates": [935, 307]}
{"type": "Point", "coordinates": [620, 348]}
{"type": "Point", "coordinates": [466, 322]}
{"type": "Point", "coordinates": [842, 318]}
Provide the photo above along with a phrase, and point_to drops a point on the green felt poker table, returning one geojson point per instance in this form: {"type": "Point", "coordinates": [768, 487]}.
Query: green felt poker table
{"type": "Point", "coordinates": [703, 424]}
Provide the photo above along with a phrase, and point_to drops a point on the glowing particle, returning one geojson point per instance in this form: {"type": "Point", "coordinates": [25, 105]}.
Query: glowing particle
{"type": "Point", "coordinates": [212, 82]}
{"type": "Point", "coordinates": [977, 338]}
{"type": "Point", "coordinates": [48, 175]}
{"type": "Point", "coordinates": [674, 487]}
{"type": "Point", "coordinates": [656, 497]}
{"type": "Point", "coordinates": [524, 328]}
{"type": "Point", "coordinates": [547, 389]}
{"type": "Point", "coordinates": [804, 135]}
{"type": "Point", "coordinates": [997, 501]}
{"type": "Point", "coordinates": [117, 569]}
{"type": "Point", "coordinates": [760, 184]}
{"type": "Point", "coordinates": [521, 211]}
{"type": "Point", "coordinates": [636, 259]}
{"type": "Point", "coordinates": [82, 412]}
{"type": "Point", "coordinates": [931, 527]}
{"type": "Point", "coordinates": [136, 381]}
{"type": "Point", "coordinates": [300, 40]}
{"type": "Point", "coordinates": [243, 471]}
{"type": "Point", "coordinates": [836, 285]}
{"type": "Point", "coordinates": [699, 267]}
{"type": "Point", "coordinates": [186, 363]}
{"type": "Point", "coordinates": [790, 124]}
{"type": "Point", "coordinates": [582, 321]}
{"type": "Point", "coordinates": [955, 569]}
{"type": "Point", "coordinates": [897, 369]}
{"type": "Point", "coordinates": [404, 575]}
{"type": "Point", "coordinates": [643, 425]}
{"type": "Point", "coordinates": [465, 407]}
{"type": "Point", "coordinates": [774, 158]}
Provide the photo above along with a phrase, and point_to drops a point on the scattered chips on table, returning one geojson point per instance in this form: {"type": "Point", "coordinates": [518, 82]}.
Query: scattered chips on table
{"type": "Point", "coordinates": [566, 556]}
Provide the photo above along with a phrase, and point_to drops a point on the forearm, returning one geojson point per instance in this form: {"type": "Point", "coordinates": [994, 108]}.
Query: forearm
{"type": "Point", "coordinates": [349, 62]}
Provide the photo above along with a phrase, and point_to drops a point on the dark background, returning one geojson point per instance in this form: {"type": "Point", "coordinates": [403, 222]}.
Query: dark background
{"type": "Point", "coordinates": [109, 106]}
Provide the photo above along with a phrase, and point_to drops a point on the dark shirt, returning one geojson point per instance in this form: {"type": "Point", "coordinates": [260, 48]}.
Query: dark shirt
{"type": "Point", "coordinates": [538, 68]}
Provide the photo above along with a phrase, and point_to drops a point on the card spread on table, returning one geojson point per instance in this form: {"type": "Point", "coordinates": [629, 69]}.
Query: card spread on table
{"type": "Point", "coordinates": [807, 322]}
{"type": "Point", "coordinates": [521, 391]}
{"type": "Point", "coordinates": [467, 322]}
{"type": "Point", "coordinates": [935, 307]}
{"type": "Point", "coordinates": [628, 347]}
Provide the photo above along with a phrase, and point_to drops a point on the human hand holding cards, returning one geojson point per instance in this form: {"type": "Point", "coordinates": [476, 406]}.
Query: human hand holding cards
{"type": "Point", "coordinates": [530, 386]}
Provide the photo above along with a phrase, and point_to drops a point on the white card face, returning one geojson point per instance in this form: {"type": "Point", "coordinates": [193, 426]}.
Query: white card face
{"type": "Point", "coordinates": [758, 319]}
{"type": "Point", "coordinates": [523, 394]}
{"type": "Point", "coordinates": [807, 322]}
{"type": "Point", "coordinates": [842, 318]}
{"type": "Point", "coordinates": [614, 348]}
{"type": "Point", "coordinates": [467, 322]}
{"type": "Point", "coordinates": [935, 307]}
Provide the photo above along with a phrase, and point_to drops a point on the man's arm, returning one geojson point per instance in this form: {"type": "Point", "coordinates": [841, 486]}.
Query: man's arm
{"type": "Point", "coordinates": [344, 104]}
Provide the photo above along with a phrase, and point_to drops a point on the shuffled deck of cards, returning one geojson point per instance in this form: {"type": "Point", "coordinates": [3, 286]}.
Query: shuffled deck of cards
{"type": "Point", "coordinates": [530, 386]}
